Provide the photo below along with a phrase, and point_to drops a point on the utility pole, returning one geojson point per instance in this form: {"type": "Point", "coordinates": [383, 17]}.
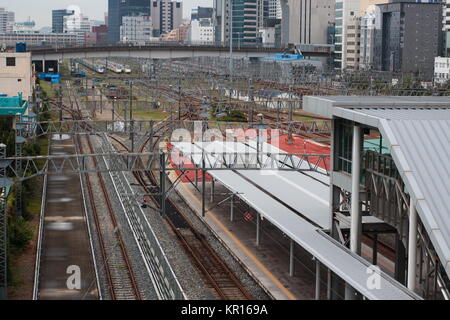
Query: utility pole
{"type": "Point", "coordinates": [179, 100]}
{"type": "Point", "coordinates": [60, 102]}
{"type": "Point", "coordinates": [18, 163]}
{"type": "Point", "coordinates": [231, 40]}
{"type": "Point", "coordinates": [131, 117]}
{"type": "Point", "coordinates": [86, 91]}
{"type": "Point", "coordinates": [101, 101]}
{"type": "Point", "coordinates": [131, 100]}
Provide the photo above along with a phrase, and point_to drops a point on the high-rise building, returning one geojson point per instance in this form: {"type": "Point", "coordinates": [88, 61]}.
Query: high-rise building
{"type": "Point", "coordinates": [202, 13]}
{"type": "Point", "coordinates": [201, 31]}
{"type": "Point", "coordinates": [410, 37]}
{"type": "Point", "coordinates": [117, 9]}
{"type": "Point", "coordinates": [76, 22]}
{"type": "Point", "coordinates": [247, 16]}
{"type": "Point", "coordinates": [219, 17]}
{"type": "Point", "coordinates": [136, 29]}
{"type": "Point", "coordinates": [307, 21]}
{"type": "Point", "coordinates": [167, 15]}
{"type": "Point", "coordinates": [275, 9]}
{"type": "Point", "coordinates": [367, 39]}
{"type": "Point", "coordinates": [58, 19]}
{"type": "Point", "coordinates": [446, 27]}
{"type": "Point", "coordinates": [101, 33]}
{"type": "Point", "coordinates": [441, 70]}
{"type": "Point", "coordinates": [348, 15]}
{"type": "Point", "coordinates": [7, 19]}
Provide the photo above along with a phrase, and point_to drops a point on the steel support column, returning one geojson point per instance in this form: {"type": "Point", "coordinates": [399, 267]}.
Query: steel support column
{"type": "Point", "coordinates": [113, 110]}
{"type": "Point", "coordinates": [317, 293]}
{"type": "Point", "coordinates": [18, 165]}
{"type": "Point", "coordinates": [375, 249]}
{"type": "Point", "coordinates": [355, 223]}
{"type": "Point", "coordinates": [258, 226]}
{"type": "Point", "coordinates": [3, 221]}
{"type": "Point", "coordinates": [328, 284]}
{"type": "Point", "coordinates": [203, 186]}
{"type": "Point", "coordinates": [212, 190]}
{"type": "Point", "coordinates": [412, 245]}
{"type": "Point", "coordinates": [400, 260]}
{"type": "Point", "coordinates": [132, 134]}
{"type": "Point", "coordinates": [162, 177]}
{"type": "Point", "coordinates": [355, 217]}
{"type": "Point", "coordinates": [231, 208]}
{"type": "Point", "coordinates": [291, 258]}
{"type": "Point", "coordinates": [196, 176]}
{"type": "Point", "coordinates": [152, 133]}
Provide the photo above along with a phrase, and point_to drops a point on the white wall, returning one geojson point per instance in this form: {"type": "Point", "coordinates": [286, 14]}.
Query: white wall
{"type": "Point", "coordinates": [441, 70]}
{"type": "Point", "coordinates": [19, 78]}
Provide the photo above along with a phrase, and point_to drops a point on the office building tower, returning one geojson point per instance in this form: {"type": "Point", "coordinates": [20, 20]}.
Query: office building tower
{"type": "Point", "coordinates": [117, 9]}
{"type": "Point", "coordinates": [58, 19]}
{"type": "Point", "coordinates": [7, 19]}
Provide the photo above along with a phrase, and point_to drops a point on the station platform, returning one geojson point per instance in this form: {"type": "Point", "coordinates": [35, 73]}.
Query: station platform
{"type": "Point", "coordinates": [65, 240]}
{"type": "Point", "coordinates": [269, 263]}
{"type": "Point", "coordinates": [302, 221]}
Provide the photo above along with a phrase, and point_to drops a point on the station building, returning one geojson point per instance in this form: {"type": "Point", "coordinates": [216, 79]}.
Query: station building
{"type": "Point", "coordinates": [389, 186]}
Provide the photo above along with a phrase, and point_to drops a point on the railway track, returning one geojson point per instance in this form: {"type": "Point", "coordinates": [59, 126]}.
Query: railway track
{"type": "Point", "coordinates": [122, 284]}
{"type": "Point", "coordinates": [217, 275]}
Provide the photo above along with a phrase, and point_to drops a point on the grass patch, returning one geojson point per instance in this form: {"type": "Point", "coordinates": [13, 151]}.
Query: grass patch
{"type": "Point", "coordinates": [48, 88]}
{"type": "Point", "coordinates": [302, 118]}
{"type": "Point", "coordinates": [147, 115]}
{"type": "Point", "coordinates": [21, 230]}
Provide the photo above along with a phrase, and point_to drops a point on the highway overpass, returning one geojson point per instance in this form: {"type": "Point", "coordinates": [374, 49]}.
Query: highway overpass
{"type": "Point", "coordinates": [172, 51]}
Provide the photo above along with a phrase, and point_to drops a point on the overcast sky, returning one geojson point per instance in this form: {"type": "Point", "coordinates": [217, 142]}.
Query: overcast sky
{"type": "Point", "coordinates": [40, 10]}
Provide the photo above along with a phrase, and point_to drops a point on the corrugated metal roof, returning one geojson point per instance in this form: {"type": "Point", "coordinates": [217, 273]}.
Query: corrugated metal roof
{"type": "Point", "coordinates": [419, 135]}
{"type": "Point", "coordinates": [421, 150]}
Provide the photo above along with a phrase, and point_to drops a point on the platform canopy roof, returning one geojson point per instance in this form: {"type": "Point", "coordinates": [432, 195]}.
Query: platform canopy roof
{"type": "Point", "coordinates": [418, 132]}
{"type": "Point", "coordinates": [294, 205]}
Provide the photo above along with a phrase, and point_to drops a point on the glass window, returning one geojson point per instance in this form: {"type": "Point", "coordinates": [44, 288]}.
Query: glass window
{"type": "Point", "coordinates": [344, 144]}
{"type": "Point", "coordinates": [10, 61]}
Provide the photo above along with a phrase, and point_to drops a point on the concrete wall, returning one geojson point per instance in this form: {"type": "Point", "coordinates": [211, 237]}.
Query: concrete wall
{"type": "Point", "coordinates": [422, 39]}
{"type": "Point", "coordinates": [309, 20]}
{"type": "Point", "coordinates": [18, 78]}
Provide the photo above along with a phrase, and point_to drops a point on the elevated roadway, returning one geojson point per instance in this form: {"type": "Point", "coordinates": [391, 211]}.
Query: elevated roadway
{"type": "Point", "coordinates": [167, 51]}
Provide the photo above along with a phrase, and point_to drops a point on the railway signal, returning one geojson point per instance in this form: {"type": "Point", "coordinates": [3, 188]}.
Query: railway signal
{"type": "Point", "coordinates": [144, 204]}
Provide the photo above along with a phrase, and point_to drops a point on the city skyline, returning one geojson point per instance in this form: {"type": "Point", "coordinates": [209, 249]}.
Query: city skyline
{"type": "Point", "coordinates": [41, 11]}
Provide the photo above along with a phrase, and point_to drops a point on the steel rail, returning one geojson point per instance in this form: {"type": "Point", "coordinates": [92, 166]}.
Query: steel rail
{"type": "Point", "coordinates": [114, 282]}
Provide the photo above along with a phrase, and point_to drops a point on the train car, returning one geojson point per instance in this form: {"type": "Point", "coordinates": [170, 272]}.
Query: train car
{"type": "Point", "coordinates": [113, 67]}
{"type": "Point", "coordinates": [127, 70]}
{"type": "Point", "coordinates": [101, 69]}
{"type": "Point", "coordinates": [93, 66]}
{"type": "Point", "coordinates": [117, 67]}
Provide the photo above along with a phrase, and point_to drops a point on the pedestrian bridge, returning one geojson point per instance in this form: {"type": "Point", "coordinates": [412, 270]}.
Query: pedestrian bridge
{"type": "Point", "coordinates": [168, 51]}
